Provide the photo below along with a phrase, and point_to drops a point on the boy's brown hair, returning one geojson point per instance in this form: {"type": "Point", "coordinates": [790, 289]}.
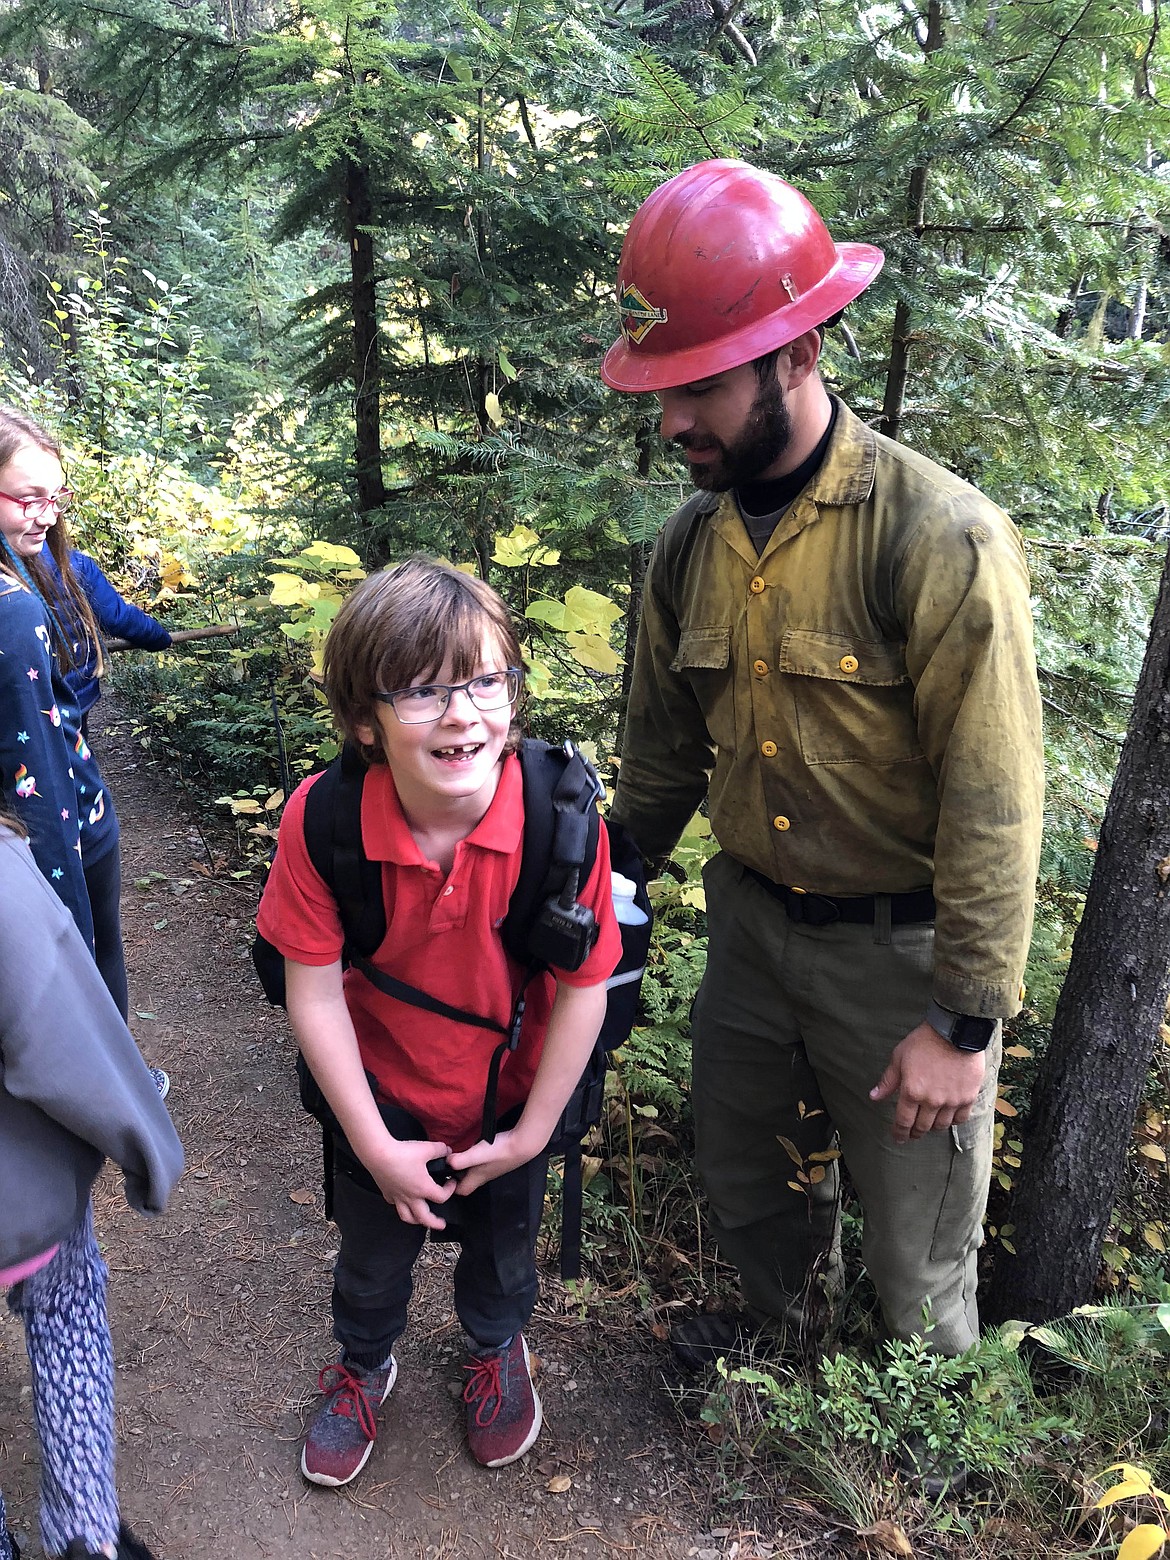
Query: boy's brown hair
{"type": "Point", "coordinates": [405, 623]}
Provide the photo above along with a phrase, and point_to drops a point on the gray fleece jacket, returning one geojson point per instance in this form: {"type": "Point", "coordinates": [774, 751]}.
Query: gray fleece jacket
{"type": "Point", "coordinates": [73, 1087]}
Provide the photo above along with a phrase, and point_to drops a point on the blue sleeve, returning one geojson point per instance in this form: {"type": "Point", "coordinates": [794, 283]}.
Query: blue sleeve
{"type": "Point", "coordinates": [35, 761]}
{"type": "Point", "coordinates": [116, 617]}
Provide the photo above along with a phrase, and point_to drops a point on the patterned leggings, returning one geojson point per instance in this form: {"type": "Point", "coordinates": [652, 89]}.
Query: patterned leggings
{"type": "Point", "coordinates": [63, 1307]}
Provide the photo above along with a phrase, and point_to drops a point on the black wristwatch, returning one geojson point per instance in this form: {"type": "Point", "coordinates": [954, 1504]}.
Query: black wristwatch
{"type": "Point", "coordinates": [965, 1031]}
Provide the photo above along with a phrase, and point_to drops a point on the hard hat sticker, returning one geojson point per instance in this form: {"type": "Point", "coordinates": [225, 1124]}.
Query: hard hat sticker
{"type": "Point", "coordinates": [638, 315]}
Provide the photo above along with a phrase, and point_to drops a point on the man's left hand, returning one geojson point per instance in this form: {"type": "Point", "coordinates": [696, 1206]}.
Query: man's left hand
{"type": "Point", "coordinates": [936, 1084]}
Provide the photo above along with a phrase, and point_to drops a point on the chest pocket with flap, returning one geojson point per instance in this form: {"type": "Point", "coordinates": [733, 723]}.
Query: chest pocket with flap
{"type": "Point", "coordinates": [704, 659]}
{"type": "Point", "coordinates": [854, 699]}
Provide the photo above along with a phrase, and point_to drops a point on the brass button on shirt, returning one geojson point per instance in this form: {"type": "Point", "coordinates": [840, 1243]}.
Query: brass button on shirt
{"type": "Point", "coordinates": [883, 643]}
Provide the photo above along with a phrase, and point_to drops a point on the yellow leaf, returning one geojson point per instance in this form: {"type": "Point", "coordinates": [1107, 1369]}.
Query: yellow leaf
{"type": "Point", "coordinates": [173, 574]}
{"type": "Point", "coordinates": [522, 546]}
{"type": "Point", "coordinates": [1138, 1483]}
{"type": "Point", "coordinates": [1153, 1151]}
{"type": "Point", "coordinates": [591, 651]}
{"type": "Point", "coordinates": [817, 1174]}
{"type": "Point", "coordinates": [550, 612]}
{"type": "Point", "coordinates": [1021, 1051]}
{"type": "Point", "coordinates": [699, 828]}
{"type": "Point", "coordinates": [538, 678]}
{"type": "Point", "coordinates": [274, 801]}
{"type": "Point", "coordinates": [491, 405]}
{"type": "Point", "coordinates": [792, 1151]}
{"type": "Point", "coordinates": [590, 609]}
{"type": "Point", "coordinates": [332, 553]}
{"type": "Point", "coordinates": [560, 1483]}
{"type": "Point", "coordinates": [888, 1536]}
{"type": "Point", "coordinates": [287, 590]}
{"type": "Point", "coordinates": [796, 1186]}
{"type": "Point", "coordinates": [1129, 1470]}
{"type": "Point", "coordinates": [1152, 1236]}
{"type": "Point", "coordinates": [1143, 1541]}
{"type": "Point", "coordinates": [1005, 1107]}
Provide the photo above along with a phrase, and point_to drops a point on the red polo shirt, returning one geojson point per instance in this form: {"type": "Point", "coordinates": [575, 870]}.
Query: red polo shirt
{"type": "Point", "coordinates": [443, 936]}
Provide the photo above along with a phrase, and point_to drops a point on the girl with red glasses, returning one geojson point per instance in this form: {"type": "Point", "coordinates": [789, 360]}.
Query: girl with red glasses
{"type": "Point", "coordinates": [47, 770]}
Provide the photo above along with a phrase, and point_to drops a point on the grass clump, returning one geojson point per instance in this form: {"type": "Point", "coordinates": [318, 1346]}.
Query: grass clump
{"type": "Point", "coordinates": [1022, 1424]}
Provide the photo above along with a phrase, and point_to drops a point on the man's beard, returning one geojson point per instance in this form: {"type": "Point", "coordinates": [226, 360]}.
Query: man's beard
{"type": "Point", "coordinates": [765, 435]}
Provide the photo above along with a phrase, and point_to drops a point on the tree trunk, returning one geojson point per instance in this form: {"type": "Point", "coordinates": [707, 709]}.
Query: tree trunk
{"type": "Point", "coordinates": [897, 373]}
{"type": "Point", "coordinates": [899, 370]}
{"type": "Point", "coordinates": [367, 367]}
{"type": "Point", "coordinates": [483, 537]}
{"type": "Point", "coordinates": [638, 556]}
{"type": "Point", "coordinates": [60, 247]}
{"type": "Point", "coordinates": [1064, 320]}
{"type": "Point", "coordinates": [1137, 315]}
{"type": "Point", "coordinates": [1106, 1024]}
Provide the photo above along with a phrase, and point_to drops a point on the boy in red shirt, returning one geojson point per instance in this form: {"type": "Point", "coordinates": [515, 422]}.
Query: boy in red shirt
{"type": "Point", "coordinates": [423, 669]}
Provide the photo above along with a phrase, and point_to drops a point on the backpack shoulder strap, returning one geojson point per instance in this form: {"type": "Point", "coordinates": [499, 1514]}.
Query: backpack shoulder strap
{"type": "Point", "coordinates": [561, 825]}
{"type": "Point", "coordinates": [333, 839]}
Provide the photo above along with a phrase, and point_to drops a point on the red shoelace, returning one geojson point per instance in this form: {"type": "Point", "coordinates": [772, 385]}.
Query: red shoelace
{"type": "Point", "coordinates": [483, 1387]}
{"type": "Point", "coordinates": [351, 1398]}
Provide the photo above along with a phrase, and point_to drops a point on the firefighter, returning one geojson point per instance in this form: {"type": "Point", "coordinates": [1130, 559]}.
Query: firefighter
{"type": "Point", "coordinates": [835, 653]}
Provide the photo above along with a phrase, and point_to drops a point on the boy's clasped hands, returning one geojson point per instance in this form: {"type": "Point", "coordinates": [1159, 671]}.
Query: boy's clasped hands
{"type": "Point", "coordinates": [418, 1177]}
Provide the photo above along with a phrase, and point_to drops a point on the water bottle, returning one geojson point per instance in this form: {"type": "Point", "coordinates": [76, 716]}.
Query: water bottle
{"type": "Point", "coordinates": [626, 912]}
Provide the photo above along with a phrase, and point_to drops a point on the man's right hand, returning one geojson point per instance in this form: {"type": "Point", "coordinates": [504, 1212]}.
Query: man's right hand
{"type": "Point", "coordinates": [936, 1085]}
{"type": "Point", "coordinates": [400, 1169]}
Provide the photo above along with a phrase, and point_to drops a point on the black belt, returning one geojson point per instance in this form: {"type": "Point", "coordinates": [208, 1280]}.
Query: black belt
{"type": "Point", "coordinates": [860, 909]}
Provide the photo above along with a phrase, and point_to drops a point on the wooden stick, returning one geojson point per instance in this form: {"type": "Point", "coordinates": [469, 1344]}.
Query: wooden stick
{"type": "Point", "coordinates": [180, 635]}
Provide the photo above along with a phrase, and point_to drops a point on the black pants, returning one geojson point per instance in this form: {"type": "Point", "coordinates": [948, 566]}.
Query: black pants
{"type": "Point", "coordinates": [495, 1277]}
{"type": "Point", "coordinates": [103, 883]}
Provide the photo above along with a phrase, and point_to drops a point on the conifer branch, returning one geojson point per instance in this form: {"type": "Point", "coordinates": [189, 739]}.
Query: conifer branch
{"type": "Point", "coordinates": [522, 104]}
{"type": "Point", "coordinates": [724, 13]}
{"type": "Point", "coordinates": [910, 11]}
{"type": "Point", "coordinates": [1142, 86]}
{"type": "Point", "coordinates": [661, 79]}
{"type": "Point", "coordinates": [213, 40]}
{"type": "Point", "coordinates": [1033, 91]}
{"type": "Point", "coordinates": [1084, 725]}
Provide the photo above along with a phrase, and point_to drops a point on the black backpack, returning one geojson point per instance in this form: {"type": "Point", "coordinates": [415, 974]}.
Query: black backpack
{"type": "Point", "coordinates": [544, 925]}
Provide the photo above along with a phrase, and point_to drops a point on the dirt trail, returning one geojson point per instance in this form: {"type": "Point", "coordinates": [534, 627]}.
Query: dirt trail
{"type": "Point", "coordinates": [220, 1310]}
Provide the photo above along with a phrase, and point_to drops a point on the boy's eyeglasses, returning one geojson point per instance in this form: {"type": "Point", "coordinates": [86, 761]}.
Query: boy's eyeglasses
{"type": "Point", "coordinates": [35, 507]}
{"type": "Point", "coordinates": [417, 706]}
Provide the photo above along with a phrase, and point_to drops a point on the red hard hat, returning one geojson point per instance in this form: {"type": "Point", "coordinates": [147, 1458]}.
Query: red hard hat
{"type": "Point", "coordinates": [721, 264]}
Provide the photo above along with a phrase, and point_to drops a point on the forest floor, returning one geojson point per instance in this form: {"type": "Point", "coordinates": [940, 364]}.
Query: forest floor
{"type": "Point", "coordinates": [220, 1310]}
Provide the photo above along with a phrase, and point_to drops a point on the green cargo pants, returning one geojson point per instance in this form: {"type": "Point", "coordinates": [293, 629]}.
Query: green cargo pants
{"type": "Point", "coordinates": [793, 1026]}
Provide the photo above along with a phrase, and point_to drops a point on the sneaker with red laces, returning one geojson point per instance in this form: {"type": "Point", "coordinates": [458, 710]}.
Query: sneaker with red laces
{"type": "Point", "coordinates": [341, 1434]}
{"type": "Point", "coordinates": [503, 1409]}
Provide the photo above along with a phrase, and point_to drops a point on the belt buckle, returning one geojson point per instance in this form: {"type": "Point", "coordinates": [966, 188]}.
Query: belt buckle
{"type": "Point", "coordinates": [812, 909]}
